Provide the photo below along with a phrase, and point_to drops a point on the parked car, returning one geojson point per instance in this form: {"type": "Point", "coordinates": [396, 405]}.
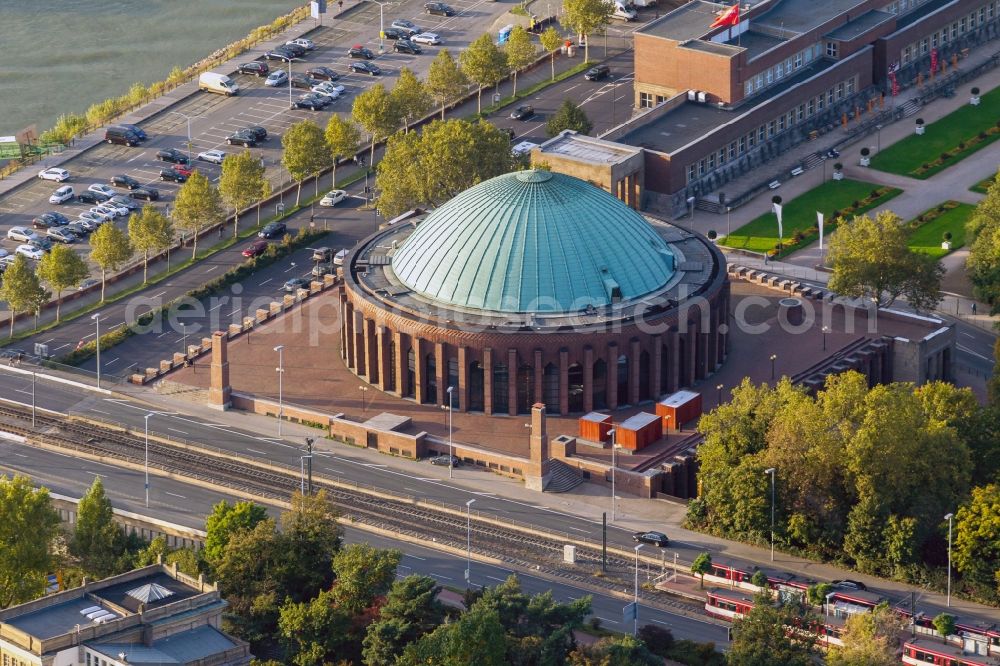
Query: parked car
{"type": "Point", "coordinates": [850, 585]}
{"type": "Point", "coordinates": [653, 538]}
{"type": "Point", "coordinates": [213, 156]}
{"type": "Point", "coordinates": [273, 230]}
{"type": "Point", "coordinates": [172, 155]}
{"type": "Point", "coordinates": [307, 44]}
{"type": "Point", "coordinates": [77, 229]}
{"type": "Point", "coordinates": [323, 73]}
{"type": "Point", "coordinates": [172, 175]}
{"type": "Point", "coordinates": [333, 198]}
{"type": "Point", "coordinates": [102, 214]}
{"type": "Point", "coordinates": [21, 234]}
{"type": "Point", "coordinates": [242, 138]}
{"type": "Point", "coordinates": [297, 50]}
{"type": "Point", "coordinates": [258, 132]}
{"type": "Point", "coordinates": [121, 136]}
{"type": "Point", "coordinates": [127, 201]}
{"type": "Point", "coordinates": [366, 68]}
{"type": "Point", "coordinates": [322, 253]}
{"type": "Point", "coordinates": [51, 219]}
{"type": "Point", "coordinates": [523, 112]}
{"type": "Point", "coordinates": [112, 210]}
{"type": "Point", "coordinates": [61, 235]}
{"type": "Point", "coordinates": [54, 173]}
{"type": "Point", "coordinates": [331, 90]}
{"type": "Point", "coordinates": [135, 129]}
{"type": "Point", "coordinates": [255, 249]}
{"type": "Point", "coordinates": [92, 197]}
{"type": "Point", "coordinates": [43, 222]}
{"type": "Point", "coordinates": [101, 188]}
{"type": "Point", "coordinates": [319, 270]}
{"type": "Point", "coordinates": [300, 80]}
{"type": "Point", "coordinates": [293, 285]}
{"type": "Point", "coordinates": [312, 101]}
{"type": "Point", "coordinates": [597, 73]}
{"type": "Point", "coordinates": [146, 193]}
{"type": "Point", "coordinates": [360, 52]}
{"type": "Point", "coordinates": [405, 26]}
{"type": "Point", "coordinates": [439, 9]}
{"type": "Point", "coordinates": [446, 460]}
{"type": "Point", "coordinates": [41, 243]}
{"type": "Point", "coordinates": [128, 182]}
{"type": "Point", "coordinates": [276, 78]}
{"type": "Point", "coordinates": [62, 195]}
{"type": "Point", "coordinates": [280, 53]}
{"type": "Point", "coordinates": [91, 220]}
{"type": "Point", "coordinates": [255, 68]}
{"type": "Point", "coordinates": [428, 38]}
{"type": "Point", "coordinates": [393, 34]}
{"type": "Point", "coordinates": [406, 46]}
{"type": "Point", "coordinates": [29, 251]}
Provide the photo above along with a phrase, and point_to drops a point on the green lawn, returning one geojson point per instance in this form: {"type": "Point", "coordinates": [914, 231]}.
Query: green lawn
{"type": "Point", "coordinates": [908, 156]}
{"type": "Point", "coordinates": [928, 236]}
{"type": "Point", "coordinates": [799, 214]}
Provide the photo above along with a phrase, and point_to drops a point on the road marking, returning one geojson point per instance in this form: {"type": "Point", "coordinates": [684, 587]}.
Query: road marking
{"type": "Point", "coordinates": [968, 335]}
{"type": "Point", "coordinates": [20, 455]}
{"type": "Point", "coordinates": [173, 494]}
{"type": "Point", "coordinates": [216, 307]}
{"type": "Point", "coordinates": [604, 619]}
{"type": "Point", "coordinates": [440, 576]}
{"type": "Point", "coordinates": [422, 559]}
{"type": "Point", "coordinates": [51, 339]}
{"type": "Point", "coordinates": [23, 391]}
{"type": "Point", "coordinates": [265, 282]}
{"type": "Point", "coordinates": [502, 580]}
{"type": "Point", "coordinates": [176, 430]}
{"type": "Point", "coordinates": [653, 619]}
{"type": "Point", "coordinates": [969, 351]}
{"type": "Point", "coordinates": [212, 268]}
{"type": "Point", "coordinates": [162, 334]}
{"type": "Point", "coordinates": [114, 360]}
{"type": "Point", "coordinates": [100, 411]}
{"type": "Point", "coordinates": [232, 313]}
{"type": "Point", "coordinates": [256, 451]}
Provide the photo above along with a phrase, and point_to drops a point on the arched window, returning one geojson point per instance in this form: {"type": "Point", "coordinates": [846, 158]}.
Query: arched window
{"type": "Point", "coordinates": [622, 380]}
{"type": "Point", "coordinates": [500, 388]}
{"type": "Point", "coordinates": [525, 388]}
{"type": "Point", "coordinates": [550, 388]}
{"type": "Point", "coordinates": [430, 370]}
{"type": "Point", "coordinates": [600, 384]}
{"type": "Point", "coordinates": [476, 395]}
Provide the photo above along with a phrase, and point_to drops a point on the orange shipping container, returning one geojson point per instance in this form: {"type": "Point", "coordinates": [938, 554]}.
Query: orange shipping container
{"type": "Point", "coordinates": [594, 427]}
{"type": "Point", "coordinates": [679, 408]}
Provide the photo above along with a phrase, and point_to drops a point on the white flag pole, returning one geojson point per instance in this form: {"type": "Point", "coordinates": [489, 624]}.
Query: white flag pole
{"type": "Point", "coordinates": [777, 212]}
{"type": "Point", "coordinates": [819, 220]}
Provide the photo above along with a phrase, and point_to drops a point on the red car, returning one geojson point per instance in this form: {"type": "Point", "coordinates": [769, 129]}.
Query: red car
{"type": "Point", "coordinates": [256, 249]}
{"type": "Point", "coordinates": [183, 169]}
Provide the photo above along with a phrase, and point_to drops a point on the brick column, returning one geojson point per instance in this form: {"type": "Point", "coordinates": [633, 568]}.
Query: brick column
{"type": "Point", "coordinates": [463, 379]}
{"type": "Point", "coordinates": [360, 361]}
{"type": "Point", "coordinates": [512, 382]}
{"type": "Point", "coordinates": [219, 391]}
{"type": "Point", "coordinates": [633, 372]}
{"type": "Point", "coordinates": [488, 407]}
{"type": "Point", "coordinates": [538, 450]}
{"type": "Point", "coordinates": [588, 379]}
{"type": "Point", "coordinates": [564, 382]}
{"type": "Point", "coordinates": [343, 326]}
{"type": "Point", "coordinates": [349, 357]}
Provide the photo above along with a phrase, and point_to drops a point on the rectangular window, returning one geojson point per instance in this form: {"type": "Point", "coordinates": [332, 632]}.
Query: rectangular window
{"type": "Point", "coordinates": [88, 660]}
{"type": "Point", "coordinates": [761, 134]}
{"type": "Point", "coordinates": [645, 100]}
{"type": "Point", "coordinates": [751, 139]}
{"type": "Point", "coordinates": [732, 151]}
{"type": "Point", "coordinates": [769, 77]}
{"type": "Point", "coordinates": [770, 129]}
{"type": "Point", "coordinates": [943, 36]}
{"type": "Point", "coordinates": [907, 54]}
{"type": "Point", "coordinates": [692, 173]}
{"type": "Point", "coordinates": [701, 168]}
{"type": "Point", "coordinates": [660, 99]}
{"type": "Point", "coordinates": [810, 108]}
{"type": "Point", "coordinates": [759, 81]}
{"type": "Point", "coordinates": [831, 49]}
{"type": "Point", "coordinates": [798, 60]}
{"type": "Point", "coordinates": [850, 86]}
{"type": "Point", "coordinates": [954, 31]}
{"type": "Point", "coordinates": [819, 103]}
{"type": "Point", "coordinates": [781, 123]}
{"type": "Point", "coordinates": [840, 91]}
{"type": "Point", "coordinates": [934, 41]}
{"type": "Point", "coordinates": [800, 113]}
{"type": "Point", "coordinates": [711, 162]}
{"type": "Point", "coordinates": [748, 88]}
{"type": "Point", "coordinates": [989, 11]}
{"type": "Point", "coordinates": [743, 145]}
{"type": "Point", "coordinates": [788, 67]}
{"type": "Point", "coordinates": [779, 71]}
{"type": "Point", "coordinates": [722, 156]}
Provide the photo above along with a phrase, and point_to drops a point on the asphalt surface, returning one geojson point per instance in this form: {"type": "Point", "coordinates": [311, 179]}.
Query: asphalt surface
{"type": "Point", "coordinates": [187, 505]}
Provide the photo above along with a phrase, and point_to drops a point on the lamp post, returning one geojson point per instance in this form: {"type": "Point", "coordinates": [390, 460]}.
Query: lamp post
{"type": "Point", "coordinates": [468, 541]}
{"type": "Point", "coordinates": [949, 517]}
{"type": "Point", "coordinates": [33, 375]}
{"type": "Point", "coordinates": [146, 459]}
{"type": "Point", "coordinates": [188, 119]}
{"type": "Point", "coordinates": [771, 470]}
{"type": "Point", "coordinates": [613, 461]}
{"type": "Point", "coordinates": [451, 445]}
{"type": "Point", "coordinates": [635, 600]}
{"type": "Point", "coordinates": [281, 373]}
{"type": "Point", "coordinates": [290, 104]}
{"type": "Point", "coordinates": [184, 338]}
{"type": "Point", "coordinates": [97, 343]}
{"type": "Point", "coordinates": [719, 388]}
{"type": "Point", "coordinates": [774, 357]}
{"type": "Point", "coordinates": [381, 24]}
{"type": "Point", "coordinates": [878, 138]}
{"type": "Point", "coordinates": [364, 404]}
{"type": "Point", "coordinates": [826, 329]}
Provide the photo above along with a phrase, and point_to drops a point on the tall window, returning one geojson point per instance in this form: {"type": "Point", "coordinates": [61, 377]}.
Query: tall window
{"type": "Point", "coordinates": [831, 49]}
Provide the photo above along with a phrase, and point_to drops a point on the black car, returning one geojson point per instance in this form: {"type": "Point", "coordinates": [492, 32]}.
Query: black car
{"type": "Point", "coordinates": [242, 138]}
{"type": "Point", "coordinates": [146, 194]}
{"type": "Point", "coordinates": [653, 538]}
{"type": "Point", "coordinates": [360, 52]}
{"type": "Point", "coordinates": [303, 81]}
{"type": "Point", "coordinates": [257, 132]}
{"type": "Point", "coordinates": [366, 68]}
{"type": "Point", "coordinates": [597, 73]}
{"type": "Point", "coordinates": [128, 182]}
{"type": "Point", "coordinates": [58, 218]}
{"type": "Point", "coordinates": [323, 73]}
{"type": "Point", "coordinates": [273, 230]}
{"type": "Point", "coordinates": [88, 196]}
{"type": "Point", "coordinates": [256, 68]}
{"type": "Point", "coordinates": [393, 33]}
{"type": "Point", "coordinates": [126, 201]}
{"type": "Point", "coordinates": [280, 53]}
{"type": "Point", "coordinates": [446, 461]}
{"type": "Point", "coordinates": [172, 155]}
{"type": "Point", "coordinates": [135, 129]}
{"type": "Point", "coordinates": [171, 174]}
{"type": "Point", "coordinates": [523, 112]}
{"type": "Point", "coordinates": [856, 585]}
{"type": "Point", "coordinates": [43, 221]}
{"type": "Point", "coordinates": [296, 50]}
{"type": "Point", "coordinates": [312, 101]}
{"type": "Point", "coordinates": [439, 9]}
{"type": "Point", "coordinates": [293, 285]}
{"type": "Point", "coordinates": [406, 46]}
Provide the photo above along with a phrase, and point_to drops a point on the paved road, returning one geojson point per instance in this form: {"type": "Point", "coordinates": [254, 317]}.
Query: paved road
{"type": "Point", "coordinates": [187, 505]}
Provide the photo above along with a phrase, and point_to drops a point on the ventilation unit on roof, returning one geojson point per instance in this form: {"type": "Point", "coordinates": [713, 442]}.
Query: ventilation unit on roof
{"type": "Point", "coordinates": [702, 97]}
{"type": "Point", "coordinates": [692, 95]}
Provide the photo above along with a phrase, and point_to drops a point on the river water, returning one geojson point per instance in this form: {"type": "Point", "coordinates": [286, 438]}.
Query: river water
{"type": "Point", "coordinates": [64, 55]}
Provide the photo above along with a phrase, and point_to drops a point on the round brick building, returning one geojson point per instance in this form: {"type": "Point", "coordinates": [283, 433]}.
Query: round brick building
{"type": "Point", "coordinates": [533, 287]}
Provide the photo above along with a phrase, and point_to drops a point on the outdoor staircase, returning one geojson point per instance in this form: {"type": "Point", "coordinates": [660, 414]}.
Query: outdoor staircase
{"type": "Point", "coordinates": [812, 161]}
{"type": "Point", "coordinates": [562, 478]}
{"type": "Point", "coordinates": [709, 206]}
{"type": "Point", "coordinates": [910, 108]}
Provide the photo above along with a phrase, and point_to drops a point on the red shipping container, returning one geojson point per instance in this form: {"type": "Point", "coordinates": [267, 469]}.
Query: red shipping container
{"type": "Point", "coordinates": [637, 432]}
{"type": "Point", "coordinates": [679, 408]}
{"type": "Point", "coordinates": [594, 427]}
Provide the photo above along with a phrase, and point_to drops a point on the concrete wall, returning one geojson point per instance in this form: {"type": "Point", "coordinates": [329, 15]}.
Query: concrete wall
{"type": "Point", "coordinates": [177, 536]}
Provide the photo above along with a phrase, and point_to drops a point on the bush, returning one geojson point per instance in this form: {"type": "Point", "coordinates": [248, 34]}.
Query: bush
{"type": "Point", "coordinates": [759, 579]}
{"type": "Point", "coordinates": [855, 204]}
{"type": "Point", "coordinates": [982, 136]}
{"type": "Point", "coordinates": [838, 166]}
{"type": "Point", "coordinates": [712, 235]}
{"type": "Point", "coordinates": [657, 639]}
{"type": "Point", "coordinates": [961, 145]}
{"type": "Point", "coordinates": [947, 237]}
{"type": "Point", "coordinates": [595, 623]}
{"type": "Point", "coordinates": [944, 156]}
{"type": "Point", "coordinates": [835, 214]}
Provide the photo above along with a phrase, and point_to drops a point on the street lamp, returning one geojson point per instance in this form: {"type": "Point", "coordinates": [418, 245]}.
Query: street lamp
{"type": "Point", "coordinates": [878, 138]}
{"type": "Point", "coordinates": [613, 461]}
{"type": "Point", "coordinates": [184, 338]}
{"type": "Point", "coordinates": [826, 329]}
{"type": "Point", "coordinates": [635, 612]}
{"type": "Point", "coordinates": [719, 387]}
{"type": "Point", "coordinates": [364, 392]}
{"type": "Point", "coordinates": [771, 470]}
{"type": "Point", "coordinates": [146, 460]}
{"type": "Point", "coordinates": [774, 357]}
{"type": "Point", "coordinates": [290, 104]}
{"type": "Point", "coordinates": [451, 445]}
{"type": "Point", "coordinates": [468, 541]}
{"type": "Point", "coordinates": [281, 373]}
{"type": "Point", "coordinates": [381, 23]}
{"type": "Point", "coordinates": [188, 118]}
{"type": "Point", "coordinates": [97, 343]}
{"type": "Point", "coordinates": [33, 375]}
{"type": "Point", "coordinates": [949, 517]}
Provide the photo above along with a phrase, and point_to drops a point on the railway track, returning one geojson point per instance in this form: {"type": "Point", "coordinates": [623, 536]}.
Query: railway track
{"type": "Point", "coordinates": [516, 548]}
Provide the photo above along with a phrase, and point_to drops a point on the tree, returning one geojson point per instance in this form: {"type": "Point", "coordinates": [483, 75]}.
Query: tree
{"type": "Point", "coordinates": [585, 17]}
{"type": "Point", "coordinates": [20, 288]}
{"type": "Point", "coordinates": [816, 594]}
{"type": "Point", "coordinates": [702, 565]}
{"type": "Point", "coordinates": [761, 637]}
{"type": "Point", "coordinates": [871, 260]}
{"type": "Point", "coordinates": [568, 116]}
{"type": "Point", "coordinates": [197, 205]}
{"type": "Point", "coordinates": [983, 263]}
{"type": "Point", "coordinates": [241, 183]}
{"type": "Point", "coordinates": [870, 639]}
{"type": "Point", "coordinates": [248, 573]}
{"type": "Point", "coordinates": [617, 651]}
{"type": "Point", "coordinates": [375, 111]}
{"type": "Point", "coordinates": [977, 537]}
{"type": "Point", "coordinates": [314, 630]}
{"type": "Point", "coordinates": [759, 579]}
{"type": "Point", "coordinates": [62, 268]}
{"type": "Point", "coordinates": [98, 541]}
{"type": "Point", "coordinates": [446, 158]}
{"type": "Point", "coordinates": [310, 538]}
{"type": "Point", "coordinates": [552, 41]}
{"type": "Point", "coordinates": [226, 520]}
{"type": "Point", "coordinates": [28, 520]}
{"type": "Point", "coordinates": [150, 231]}
{"type": "Point", "coordinates": [477, 637]}
{"type": "Point", "coordinates": [410, 611]}
{"type": "Point", "coordinates": [342, 139]}
{"type": "Point", "coordinates": [109, 249]}
{"type": "Point", "coordinates": [484, 64]}
{"type": "Point", "coordinates": [445, 79]}
{"type": "Point", "coordinates": [520, 51]}
{"type": "Point", "coordinates": [304, 152]}
{"type": "Point", "coordinates": [945, 625]}
{"type": "Point", "coordinates": [363, 573]}
{"type": "Point", "coordinates": [410, 97]}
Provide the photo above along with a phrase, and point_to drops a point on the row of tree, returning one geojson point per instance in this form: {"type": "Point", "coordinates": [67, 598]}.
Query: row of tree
{"type": "Point", "coordinates": [864, 476]}
{"type": "Point", "coordinates": [983, 263]}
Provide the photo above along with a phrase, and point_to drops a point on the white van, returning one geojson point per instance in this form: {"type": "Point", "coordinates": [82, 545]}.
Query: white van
{"type": "Point", "coordinates": [218, 83]}
{"type": "Point", "coordinates": [622, 12]}
{"type": "Point", "coordinates": [338, 259]}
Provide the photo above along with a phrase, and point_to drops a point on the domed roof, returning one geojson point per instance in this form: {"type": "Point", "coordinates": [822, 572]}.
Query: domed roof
{"type": "Point", "coordinates": [533, 241]}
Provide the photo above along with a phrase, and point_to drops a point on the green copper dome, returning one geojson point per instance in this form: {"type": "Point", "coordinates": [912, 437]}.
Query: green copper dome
{"type": "Point", "coordinates": [533, 241]}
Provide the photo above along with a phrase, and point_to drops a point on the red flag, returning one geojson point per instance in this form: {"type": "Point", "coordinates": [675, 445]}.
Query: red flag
{"type": "Point", "coordinates": [730, 16]}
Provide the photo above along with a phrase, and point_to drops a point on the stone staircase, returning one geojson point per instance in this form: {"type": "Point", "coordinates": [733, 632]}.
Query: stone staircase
{"type": "Point", "coordinates": [910, 108]}
{"type": "Point", "coordinates": [563, 478]}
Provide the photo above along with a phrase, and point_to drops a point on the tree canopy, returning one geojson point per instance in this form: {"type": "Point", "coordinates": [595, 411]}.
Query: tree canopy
{"type": "Point", "coordinates": [983, 262]}
{"type": "Point", "coordinates": [445, 79]}
{"type": "Point", "coordinates": [585, 17]}
{"type": "Point", "coordinates": [20, 288]}
{"type": "Point", "coordinates": [304, 152]}
{"type": "Point", "coordinates": [568, 116]}
{"type": "Point", "coordinates": [25, 510]}
{"type": "Point", "coordinates": [375, 110]}
{"type": "Point", "coordinates": [62, 268]}
{"type": "Point", "coordinates": [342, 140]}
{"type": "Point", "coordinates": [110, 248]}
{"type": "Point", "coordinates": [226, 520]}
{"type": "Point", "coordinates": [197, 206]}
{"type": "Point", "coordinates": [484, 63]}
{"type": "Point", "coordinates": [520, 51]}
{"type": "Point", "coordinates": [150, 231]}
{"type": "Point", "coordinates": [242, 183]}
{"type": "Point", "coordinates": [98, 541]}
{"type": "Point", "coordinates": [761, 637]}
{"type": "Point", "coordinates": [411, 97]}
